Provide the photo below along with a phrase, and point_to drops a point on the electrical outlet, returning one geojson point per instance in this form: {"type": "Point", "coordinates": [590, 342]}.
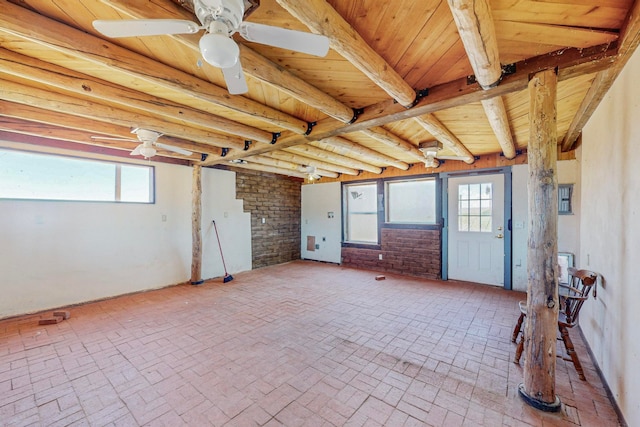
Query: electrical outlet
{"type": "Point", "coordinates": [380, 257]}
{"type": "Point", "coordinates": [264, 220]}
{"type": "Point", "coordinates": [164, 218]}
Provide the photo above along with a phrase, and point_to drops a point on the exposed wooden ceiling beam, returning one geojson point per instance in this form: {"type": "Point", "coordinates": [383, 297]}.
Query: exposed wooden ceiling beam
{"type": "Point", "coordinates": [497, 114]}
{"type": "Point", "coordinates": [627, 44]}
{"type": "Point", "coordinates": [442, 134]}
{"type": "Point", "coordinates": [477, 32]}
{"type": "Point", "coordinates": [310, 161]}
{"type": "Point", "coordinates": [32, 69]}
{"type": "Point", "coordinates": [340, 145]}
{"type": "Point", "coordinates": [41, 130]}
{"type": "Point", "coordinates": [390, 139]}
{"type": "Point", "coordinates": [45, 121]}
{"type": "Point", "coordinates": [37, 142]}
{"type": "Point", "coordinates": [285, 164]}
{"type": "Point", "coordinates": [270, 169]}
{"type": "Point", "coordinates": [327, 156]}
{"type": "Point", "coordinates": [43, 99]}
{"type": "Point", "coordinates": [253, 63]}
{"type": "Point", "coordinates": [321, 18]}
{"type": "Point", "coordinates": [34, 28]}
{"type": "Point", "coordinates": [571, 63]}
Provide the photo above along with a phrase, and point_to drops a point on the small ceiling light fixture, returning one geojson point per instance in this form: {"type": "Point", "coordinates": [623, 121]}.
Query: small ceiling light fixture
{"type": "Point", "coordinates": [147, 150]}
{"type": "Point", "coordinates": [430, 150]}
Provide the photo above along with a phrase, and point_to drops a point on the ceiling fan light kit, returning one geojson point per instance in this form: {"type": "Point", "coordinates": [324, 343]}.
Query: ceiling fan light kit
{"type": "Point", "coordinates": [218, 50]}
{"type": "Point", "coordinates": [430, 150]}
{"type": "Point", "coordinates": [221, 19]}
{"type": "Point", "coordinates": [147, 151]}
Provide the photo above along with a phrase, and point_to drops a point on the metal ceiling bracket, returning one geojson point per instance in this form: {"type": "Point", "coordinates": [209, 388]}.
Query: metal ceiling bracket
{"type": "Point", "coordinates": [508, 69]}
{"type": "Point", "coordinates": [247, 143]}
{"type": "Point", "coordinates": [225, 151]}
{"type": "Point", "coordinates": [471, 79]}
{"type": "Point", "coordinates": [420, 93]}
{"type": "Point", "coordinates": [203, 157]}
{"type": "Point", "coordinates": [274, 137]}
{"type": "Point", "coordinates": [310, 126]}
{"type": "Point", "coordinates": [356, 114]}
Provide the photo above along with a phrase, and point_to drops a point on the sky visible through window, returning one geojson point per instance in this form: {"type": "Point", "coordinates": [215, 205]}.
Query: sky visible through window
{"type": "Point", "coordinates": [26, 175]}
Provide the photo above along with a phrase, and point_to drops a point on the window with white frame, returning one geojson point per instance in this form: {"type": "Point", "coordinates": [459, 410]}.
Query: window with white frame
{"type": "Point", "coordinates": [361, 213]}
{"type": "Point", "coordinates": [26, 175]}
{"type": "Point", "coordinates": [411, 201]}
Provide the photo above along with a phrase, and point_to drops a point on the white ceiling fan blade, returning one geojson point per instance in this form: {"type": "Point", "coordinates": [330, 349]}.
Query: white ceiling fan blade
{"type": "Point", "coordinates": [136, 151]}
{"type": "Point", "coordinates": [234, 77]}
{"type": "Point", "coordinates": [144, 27]}
{"type": "Point", "coordinates": [108, 138]}
{"type": "Point", "coordinates": [313, 44]}
{"type": "Point", "coordinates": [174, 149]}
{"type": "Point", "coordinates": [451, 157]}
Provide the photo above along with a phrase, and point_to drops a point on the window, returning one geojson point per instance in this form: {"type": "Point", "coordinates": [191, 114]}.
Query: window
{"type": "Point", "coordinates": [25, 175]}
{"type": "Point", "coordinates": [565, 191]}
{"type": "Point", "coordinates": [361, 212]}
{"type": "Point", "coordinates": [475, 206]}
{"type": "Point", "coordinates": [411, 201]}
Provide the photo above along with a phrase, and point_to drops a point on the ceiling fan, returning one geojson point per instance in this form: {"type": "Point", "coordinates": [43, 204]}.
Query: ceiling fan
{"type": "Point", "coordinates": [149, 140]}
{"type": "Point", "coordinates": [431, 150]}
{"type": "Point", "coordinates": [311, 171]}
{"type": "Point", "coordinates": [220, 19]}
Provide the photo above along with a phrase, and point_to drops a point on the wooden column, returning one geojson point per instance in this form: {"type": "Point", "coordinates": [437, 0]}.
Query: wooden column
{"type": "Point", "coordinates": [541, 327]}
{"type": "Point", "coordinates": [196, 226]}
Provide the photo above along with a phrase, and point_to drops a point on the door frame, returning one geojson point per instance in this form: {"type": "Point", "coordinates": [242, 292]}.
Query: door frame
{"type": "Point", "coordinates": [506, 172]}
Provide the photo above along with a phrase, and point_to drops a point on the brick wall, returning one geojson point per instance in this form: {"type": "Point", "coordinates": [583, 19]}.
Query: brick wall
{"type": "Point", "coordinates": [276, 199]}
{"type": "Point", "coordinates": [404, 251]}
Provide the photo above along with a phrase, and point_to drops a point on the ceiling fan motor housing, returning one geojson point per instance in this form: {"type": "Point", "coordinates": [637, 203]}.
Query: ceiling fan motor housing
{"type": "Point", "coordinates": [227, 12]}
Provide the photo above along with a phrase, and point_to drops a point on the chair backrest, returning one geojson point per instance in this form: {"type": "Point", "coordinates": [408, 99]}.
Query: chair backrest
{"type": "Point", "coordinates": [581, 283]}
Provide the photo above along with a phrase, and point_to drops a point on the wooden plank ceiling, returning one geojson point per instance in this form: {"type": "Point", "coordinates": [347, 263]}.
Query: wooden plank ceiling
{"type": "Point", "coordinates": [413, 70]}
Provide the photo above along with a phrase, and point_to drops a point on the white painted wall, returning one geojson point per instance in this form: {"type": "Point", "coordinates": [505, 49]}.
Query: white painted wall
{"type": "Point", "coordinates": [317, 201]}
{"type": "Point", "coordinates": [519, 226]}
{"type": "Point", "coordinates": [60, 253]}
{"type": "Point", "coordinates": [610, 237]}
{"type": "Point", "coordinates": [568, 225]}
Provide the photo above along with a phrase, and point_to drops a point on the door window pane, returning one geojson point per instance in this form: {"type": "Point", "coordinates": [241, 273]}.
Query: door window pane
{"type": "Point", "coordinates": [475, 207]}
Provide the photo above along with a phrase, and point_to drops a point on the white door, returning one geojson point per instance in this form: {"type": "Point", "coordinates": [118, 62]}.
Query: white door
{"type": "Point", "coordinates": [476, 229]}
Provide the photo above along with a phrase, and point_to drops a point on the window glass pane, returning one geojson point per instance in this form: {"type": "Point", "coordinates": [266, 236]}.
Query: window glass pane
{"type": "Point", "coordinates": [475, 207]}
{"type": "Point", "coordinates": [474, 191]}
{"type": "Point", "coordinates": [463, 192]}
{"type": "Point", "coordinates": [361, 217]}
{"type": "Point", "coordinates": [25, 175]}
{"type": "Point", "coordinates": [411, 201]}
{"type": "Point", "coordinates": [485, 207]}
{"type": "Point", "coordinates": [485, 224]}
{"type": "Point", "coordinates": [463, 207]}
{"type": "Point", "coordinates": [135, 184]}
{"type": "Point", "coordinates": [485, 191]}
{"type": "Point", "coordinates": [474, 223]}
{"type": "Point", "coordinates": [463, 223]}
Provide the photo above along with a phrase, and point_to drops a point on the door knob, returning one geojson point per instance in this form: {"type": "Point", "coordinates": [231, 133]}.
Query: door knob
{"type": "Point", "coordinates": [499, 236]}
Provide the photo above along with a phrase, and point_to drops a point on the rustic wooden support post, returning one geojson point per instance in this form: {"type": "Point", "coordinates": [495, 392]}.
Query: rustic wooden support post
{"type": "Point", "coordinates": [196, 226]}
{"type": "Point", "coordinates": [541, 327]}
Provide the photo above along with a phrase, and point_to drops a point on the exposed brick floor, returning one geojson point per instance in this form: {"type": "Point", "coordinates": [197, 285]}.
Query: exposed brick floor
{"type": "Point", "coordinates": [296, 344]}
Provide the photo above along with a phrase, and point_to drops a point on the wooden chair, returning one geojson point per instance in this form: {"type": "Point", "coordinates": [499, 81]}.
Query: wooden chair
{"type": "Point", "coordinates": [572, 297]}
